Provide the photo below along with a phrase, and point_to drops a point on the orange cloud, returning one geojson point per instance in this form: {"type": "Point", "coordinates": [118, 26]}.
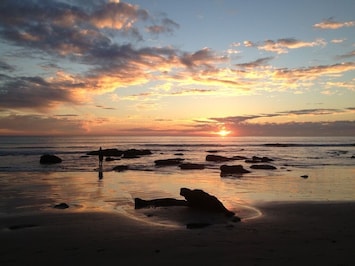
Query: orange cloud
{"type": "Point", "coordinates": [331, 24]}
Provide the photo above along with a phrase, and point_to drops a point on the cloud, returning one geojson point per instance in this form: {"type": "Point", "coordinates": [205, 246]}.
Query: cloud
{"type": "Point", "coordinates": [332, 24]}
{"type": "Point", "coordinates": [167, 26]}
{"type": "Point", "coordinates": [4, 66]}
{"type": "Point", "coordinates": [66, 29]}
{"type": "Point", "coordinates": [40, 125]}
{"type": "Point", "coordinates": [282, 46]}
{"type": "Point", "coordinates": [248, 125]}
{"type": "Point", "coordinates": [34, 92]}
{"type": "Point", "coordinates": [256, 63]}
{"type": "Point", "coordinates": [338, 40]}
{"type": "Point", "coordinates": [314, 72]}
{"type": "Point", "coordinates": [347, 55]}
{"type": "Point", "coordinates": [205, 57]}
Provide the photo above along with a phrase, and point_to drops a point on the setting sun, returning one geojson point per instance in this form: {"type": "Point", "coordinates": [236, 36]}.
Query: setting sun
{"type": "Point", "coordinates": [223, 132]}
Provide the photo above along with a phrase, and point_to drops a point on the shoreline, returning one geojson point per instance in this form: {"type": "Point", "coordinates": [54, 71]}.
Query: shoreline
{"type": "Point", "coordinates": [287, 233]}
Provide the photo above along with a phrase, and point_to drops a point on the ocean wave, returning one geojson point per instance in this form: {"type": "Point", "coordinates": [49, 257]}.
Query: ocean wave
{"type": "Point", "coordinates": [286, 145]}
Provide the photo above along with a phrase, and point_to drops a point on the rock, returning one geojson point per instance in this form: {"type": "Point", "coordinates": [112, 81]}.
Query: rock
{"type": "Point", "coordinates": [191, 166]}
{"type": "Point", "coordinates": [120, 168]}
{"type": "Point", "coordinates": [198, 199]}
{"type": "Point", "coordinates": [239, 157]}
{"type": "Point", "coordinates": [213, 151]}
{"type": "Point", "coordinates": [179, 154]}
{"type": "Point", "coordinates": [110, 159]}
{"type": "Point", "coordinates": [217, 158]}
{"type": "Point", "coordinates": [232, 169]}
{"type": "Point", "coordinates": [49, 159]}
{"type": "Point", "coordinates": [256, 159]}
{"type": "Point", "coordinates": [168, 162]}
{"type": "Point", "coordinates": [164, 202]}
{"type": "Point", "coordinates": [263, 166]}
{"type": "Point", "coordinates": [134, 153]}
{"type": "Point", "coordinates": [107, 152]}
{"type": "Point", "coordinates": [304, 176]}
{"type": "Point", "coordinates": [61, 206]}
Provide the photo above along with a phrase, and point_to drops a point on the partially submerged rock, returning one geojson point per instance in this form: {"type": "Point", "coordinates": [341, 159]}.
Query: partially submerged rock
{"type": "Point", "coordinates": [217, 158]}
{"type": "Point", "coordinates": [107, 152]}
{"type": "Point", "coordinates": [49, 159]}
{"type": "Point", "coordinates": [62, 206]}
{"type": "Point", "coordinates": [120, 168]}
{"type": "Point", "coordinates": [263, 166]}
{"type": "Point", "coordinates": [191, 166]}
{"type": "Point", "coordinates": [256, 159]}
{"type": "Point", "coordinates": [233, 169]}
{"type": "Point", "coordinates": [134, 153]}
{"type": "Point", "coordinates": [168, 162]}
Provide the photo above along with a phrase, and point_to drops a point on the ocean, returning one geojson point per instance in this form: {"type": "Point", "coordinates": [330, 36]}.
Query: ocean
{"type": "Point", "coordinates": [307, 169]}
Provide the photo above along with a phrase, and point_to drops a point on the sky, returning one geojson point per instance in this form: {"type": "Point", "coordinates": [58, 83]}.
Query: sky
{"type": "Point", "coordinates": [177, 68]}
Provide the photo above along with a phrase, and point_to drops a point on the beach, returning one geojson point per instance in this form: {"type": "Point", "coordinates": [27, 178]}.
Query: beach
{"type": "Point", "coordinates": [306, 233]}
{"type": "Point", "coordinates": [301, 213]}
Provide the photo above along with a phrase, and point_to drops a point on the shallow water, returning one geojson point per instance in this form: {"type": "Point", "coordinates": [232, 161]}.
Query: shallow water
{"type": "Point", "coordinates": [84, 191]}
{"type": "Point", "coordinates": [27, 186]}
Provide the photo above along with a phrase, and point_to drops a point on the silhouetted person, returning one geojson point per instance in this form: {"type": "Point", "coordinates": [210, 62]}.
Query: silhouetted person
{"type": "Point", "coordinates": [101, 157]}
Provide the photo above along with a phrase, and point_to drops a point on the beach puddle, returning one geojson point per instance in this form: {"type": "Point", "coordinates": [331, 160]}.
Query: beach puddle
{"type": "Point", "coordinates": [185, 217]}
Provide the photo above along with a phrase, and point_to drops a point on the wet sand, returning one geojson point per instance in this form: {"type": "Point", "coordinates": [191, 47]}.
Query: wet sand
{"type": "Point", "coordinates": [299, 233]}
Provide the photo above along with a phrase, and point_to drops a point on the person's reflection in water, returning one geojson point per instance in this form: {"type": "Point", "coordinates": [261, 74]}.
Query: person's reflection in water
{"type": "Point", "coordinates": [101, 158]}
{"type": "Point", "coordinates": [101, 174]}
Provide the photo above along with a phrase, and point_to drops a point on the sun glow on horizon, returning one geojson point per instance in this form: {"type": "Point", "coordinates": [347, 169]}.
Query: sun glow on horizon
{"type": "Point", "coordinates": [224, 132]}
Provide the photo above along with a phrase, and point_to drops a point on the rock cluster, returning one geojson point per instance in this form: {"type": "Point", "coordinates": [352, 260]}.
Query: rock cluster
{"type": "Point", "coordinates": [49, 159]}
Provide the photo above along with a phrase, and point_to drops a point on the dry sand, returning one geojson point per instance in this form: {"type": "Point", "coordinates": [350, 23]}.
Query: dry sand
{"type": "Point", "coordinates": [286, 234]}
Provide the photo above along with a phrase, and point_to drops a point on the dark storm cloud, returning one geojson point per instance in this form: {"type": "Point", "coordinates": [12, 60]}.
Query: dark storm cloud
{"type": "Point", "coordinates": [4, 66]}
{"type": "Point", "coordinates": [83, 34]}
{"type": "Point", "coordinates": [32, 92]}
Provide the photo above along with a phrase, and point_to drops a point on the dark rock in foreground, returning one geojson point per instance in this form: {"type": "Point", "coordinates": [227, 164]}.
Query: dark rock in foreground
{"type": "Point", "coordinates": [263, 166]}
{"type": "Point", "coordinates": [168, 162]}
{"type": "Point", "coordinates": [191, 166]}
{"type": "Point", "coordinates": [217, 158]}
{"type": "Point", "coordinates": [195, 199]}
{"type": "Point", "coordinates": [49, 159]}
{"type": "Point", "coordinates": [198, 199]}
{"type": "Point", "coordinates": [120, 168]}
{"type": "Point", "coordinates": [233, 169]}
{"type": "Point", "coordinates": [164, 202]}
